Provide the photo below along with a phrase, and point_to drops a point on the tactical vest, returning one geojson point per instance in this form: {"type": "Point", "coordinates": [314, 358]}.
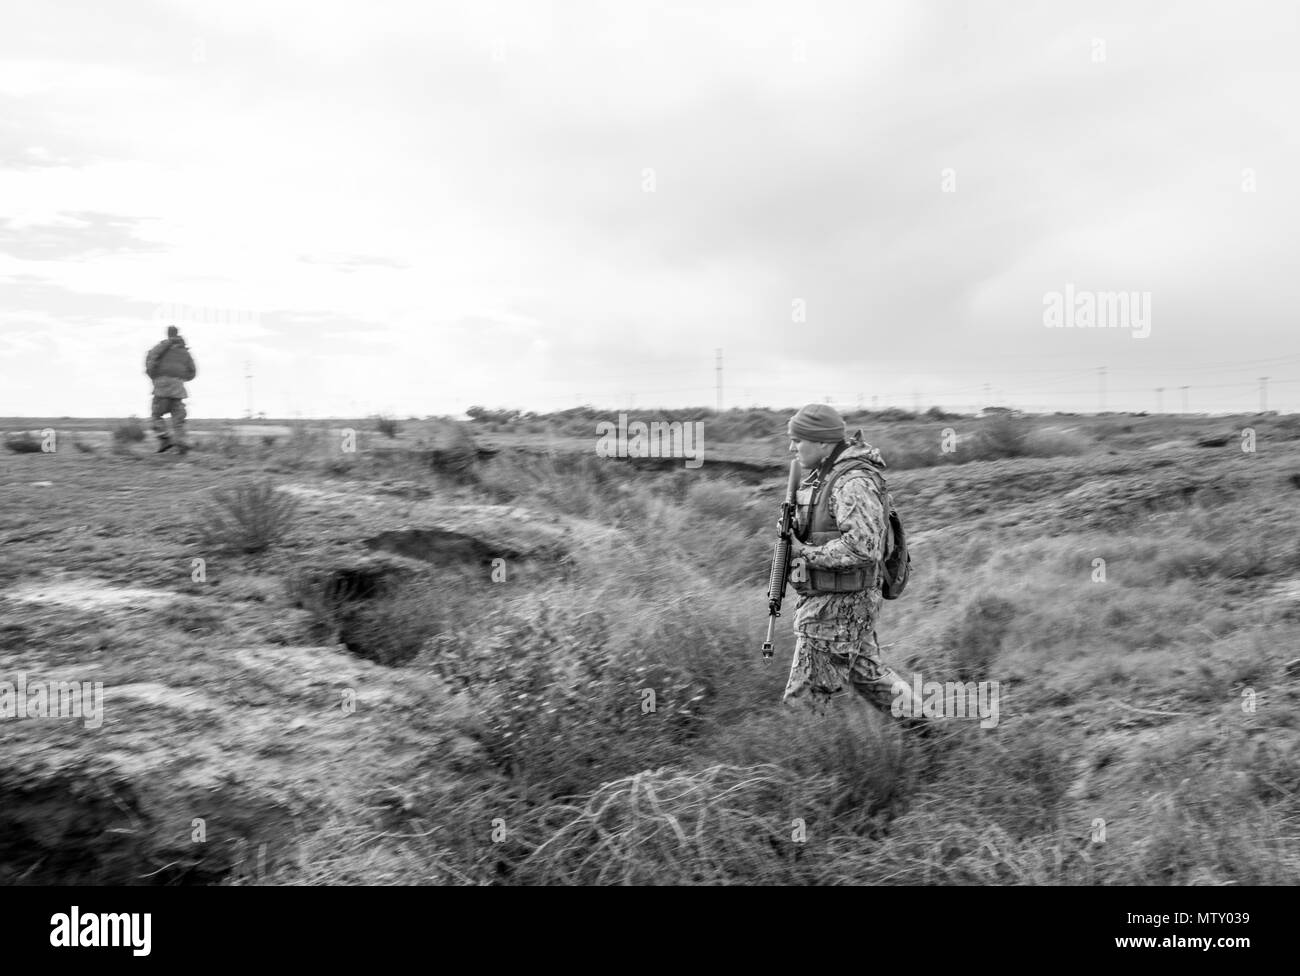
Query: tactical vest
{"type": "Point", "coordinates": [816, 527]}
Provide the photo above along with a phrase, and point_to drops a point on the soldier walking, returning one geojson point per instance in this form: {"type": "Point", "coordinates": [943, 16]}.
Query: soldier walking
{"type": "Point", "coordinates": [169, 364]}
{"type": "Point", "coordinates": [837, 557]}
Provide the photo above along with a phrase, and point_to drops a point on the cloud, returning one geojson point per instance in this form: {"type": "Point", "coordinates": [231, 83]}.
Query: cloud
{"type": "Point", "coordinates": [74, 236]}
{"type": "Point", "coordinates": [25, 295]}
{"type": "Point", "coordinates": [457, 197]}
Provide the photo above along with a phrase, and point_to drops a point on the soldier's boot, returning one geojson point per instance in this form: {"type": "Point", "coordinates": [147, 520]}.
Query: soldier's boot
{"type": "Point", "coordinates": [164, 443]}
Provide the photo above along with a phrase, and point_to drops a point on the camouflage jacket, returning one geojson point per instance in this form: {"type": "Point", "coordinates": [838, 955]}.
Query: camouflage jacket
{"type": "Point", "coordinates": [860, 515]}
{"type": "Point", "coordinates": [167, 364]}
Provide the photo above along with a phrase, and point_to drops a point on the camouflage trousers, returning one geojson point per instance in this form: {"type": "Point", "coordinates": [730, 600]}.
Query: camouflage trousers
{"type": "Point", "coordinates": [836, 651]}
{"type": "Point", "coordinates": [169, 405]}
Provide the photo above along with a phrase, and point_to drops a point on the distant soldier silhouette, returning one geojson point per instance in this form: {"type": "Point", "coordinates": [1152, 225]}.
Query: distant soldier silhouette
{"type": "Point", "coordinates": [169, 364]}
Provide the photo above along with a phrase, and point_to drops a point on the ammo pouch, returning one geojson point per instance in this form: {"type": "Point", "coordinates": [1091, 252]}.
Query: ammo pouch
{"type": "Point", "coordinates": [838, 581]}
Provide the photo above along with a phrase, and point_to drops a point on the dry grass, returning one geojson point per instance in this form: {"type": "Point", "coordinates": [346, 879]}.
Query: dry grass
{"type": "Point", "coordinates": [719, 825]}
{"type": "Point", "coordinates": [1124, 701]}
{"type": "Point", "coordinates": [595, 792]}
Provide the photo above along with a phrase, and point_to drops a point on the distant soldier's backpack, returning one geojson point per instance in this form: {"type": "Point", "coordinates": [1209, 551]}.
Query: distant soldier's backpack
{"type": "Point", "coordinates": [170, 358]}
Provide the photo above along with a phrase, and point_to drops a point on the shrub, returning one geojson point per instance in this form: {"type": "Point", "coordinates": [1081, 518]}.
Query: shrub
{"type": "Point", "coordinates": [457, 454]}
{"type": "Point", "coordinates": [387, 426]}
{"type": "Point", "coordinates": [938, 413]}
{"type": "Point", "coordinates": [130, 431]}
{"type": "Point", "coordinates": [250, 517]}
{"type": "Point", "coordinates": [494, 417]}
{"type": "Point", "coordinates": [560, 706]}
{"type": "Point", "coordinates": [1003, 435]}
{"type": "Point", "coordinates": [891, 415]}
{"type": "Point", "coordinates": [23, 443]}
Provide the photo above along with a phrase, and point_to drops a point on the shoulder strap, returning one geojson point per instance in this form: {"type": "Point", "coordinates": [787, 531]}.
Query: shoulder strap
{"type": "Point", "coordinates": [886, 502]}
{"type": "Point", "coordinates": [855, 464]}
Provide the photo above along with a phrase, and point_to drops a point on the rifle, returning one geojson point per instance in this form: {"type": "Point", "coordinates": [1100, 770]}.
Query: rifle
{"type": "Point", "coordinates": [781, 557]}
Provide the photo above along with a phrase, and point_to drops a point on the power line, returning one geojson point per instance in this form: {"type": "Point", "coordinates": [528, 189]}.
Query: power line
{"type": "Point", "coordinates": [719, 368]}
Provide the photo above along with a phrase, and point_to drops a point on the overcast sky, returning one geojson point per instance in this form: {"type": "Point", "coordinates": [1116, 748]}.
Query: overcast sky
{"type": "Point", "coordinates": [412, 208]}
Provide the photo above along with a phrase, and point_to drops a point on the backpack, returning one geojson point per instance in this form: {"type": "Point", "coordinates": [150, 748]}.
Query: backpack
{"type": "Point", "coordinates": [898, 561]}
{"type": "Point", "coordinates": [176, 361]}
{"type": "Point", "coordinates": [897, 567]}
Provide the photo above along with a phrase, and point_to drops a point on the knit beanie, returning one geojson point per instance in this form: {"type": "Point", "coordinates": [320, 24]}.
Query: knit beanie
{"type": "Point", "coordinates": [817, 422]}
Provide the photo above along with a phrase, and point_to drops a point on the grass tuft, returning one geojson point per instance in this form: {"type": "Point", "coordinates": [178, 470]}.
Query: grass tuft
{"type": "Point", "coordinates": [250, 517]}
{"type": "Point", "coordinates": [130, 431]}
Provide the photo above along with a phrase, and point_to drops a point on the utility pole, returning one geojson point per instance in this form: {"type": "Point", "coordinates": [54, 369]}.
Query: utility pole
{"type": "Point", "coordinates": [1263, 394]}
{"type": "Point", "coordinates": [718, 367]}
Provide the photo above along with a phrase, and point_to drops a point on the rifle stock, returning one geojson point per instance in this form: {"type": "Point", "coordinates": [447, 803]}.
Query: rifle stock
{"type": "Point", "coordinates": [781, 557]}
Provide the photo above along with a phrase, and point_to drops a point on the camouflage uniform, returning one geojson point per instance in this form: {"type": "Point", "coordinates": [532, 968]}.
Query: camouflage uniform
{"type": "Point", "coordinates": [835, 633]}
{"type": "Point", "coordinates": [167, 364]}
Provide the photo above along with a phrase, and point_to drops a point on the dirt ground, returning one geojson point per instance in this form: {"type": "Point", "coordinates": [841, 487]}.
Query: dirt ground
{"type": "Point", "coordinates": [229, 730]}
{"type": "Point", "coordinates": [220, 718]}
